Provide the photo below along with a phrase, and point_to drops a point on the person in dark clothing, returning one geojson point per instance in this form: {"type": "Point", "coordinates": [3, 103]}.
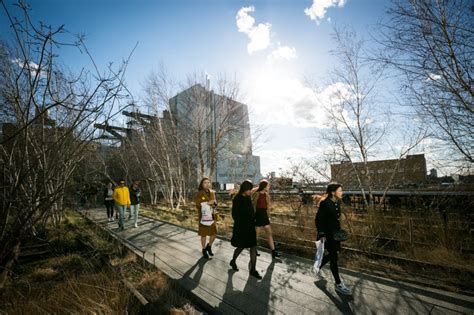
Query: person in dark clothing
{"type": "Point", "coordinates": [135, 201]}
{"type": "Point", "coordinates": [327, 223]}
{"type": "Point", "coordinates": [109, 201]}
{"type": "Point", "coordinates": [82, 197]}
{"type": "Point", "coordinates": [243, 232]}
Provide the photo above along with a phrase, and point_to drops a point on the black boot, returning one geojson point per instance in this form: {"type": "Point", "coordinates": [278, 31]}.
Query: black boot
{"type": "Point", "coordinates": [209, 250]}
{"type": "Point", "coordinates": [204, 253]}
{"type": "Point", "coordinates": [234, 265]}
{"type": "Point", "coordinates": [255, 274]}
{"type": "Point", "coordinates": [275, 254]}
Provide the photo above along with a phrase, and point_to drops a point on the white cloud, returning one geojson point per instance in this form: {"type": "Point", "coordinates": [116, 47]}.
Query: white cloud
{"type": "Point", "coordinates": [318, 9]}
{"type": "Point", "coordinates": [281, 160]}
{"type": "Point", "coordinates": [244, 21]}
{"type": "Point", "coordinates": [331, 98]}
{"type": "Point", "coordinates": [30, 66]}
{"type": "Point", "coordinates": [259, 35]}
{"type": "Point", "coordinates": [277, 98]}
{"type": "Point", "coordinates": [259, 38]}
{"type": "Point", "coordinates": [282, 52]}
{"type": "Point", "coordinates": [433, 77]}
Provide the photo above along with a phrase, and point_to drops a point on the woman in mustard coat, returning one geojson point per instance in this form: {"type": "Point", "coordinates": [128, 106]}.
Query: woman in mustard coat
{"type": "Point", "coordinates": [205, 204]}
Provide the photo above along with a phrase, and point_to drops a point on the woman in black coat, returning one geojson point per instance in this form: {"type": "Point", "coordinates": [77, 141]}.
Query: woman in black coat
{"type": "Point", "coordinates": [327, 223]}
{"type": "Point", "coordinates": [243, 233]}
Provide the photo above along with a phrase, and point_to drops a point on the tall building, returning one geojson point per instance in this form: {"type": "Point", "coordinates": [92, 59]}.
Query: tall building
{"type": "Point", "coordinates": [411, 171]}
{"type": "Point", "coordinates": [214, 125]}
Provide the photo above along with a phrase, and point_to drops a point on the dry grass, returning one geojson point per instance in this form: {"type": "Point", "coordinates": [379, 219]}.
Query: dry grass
{"type": "Point", "coordinates": [155, 286]}
{"type": "Point", "coordinates": [445, 257]}
{"type": "Point", "coordinates": [79, 281]}
{"type": "Point", "coordinates": [61, 291]}
{"type": "Point", "coordinates": [42, 274]}
{"type": "Point", "coordinates": [130, 258]}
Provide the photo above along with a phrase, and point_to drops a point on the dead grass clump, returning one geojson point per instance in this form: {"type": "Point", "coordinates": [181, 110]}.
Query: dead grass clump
{"type": "Point", "coordinates": [43, 274]}
{"type": "Point", "coordinates": [163, 293]}
{"type": "Point", "coordinates": [443, 256]}
{"type": "Point", "coordinates": [120, 261]}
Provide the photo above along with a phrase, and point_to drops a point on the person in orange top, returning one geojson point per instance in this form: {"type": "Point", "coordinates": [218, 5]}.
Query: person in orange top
{"type": "Point", "coordinates": [205, 204]}
{"type": "Point", "coordinates": [122, 201]}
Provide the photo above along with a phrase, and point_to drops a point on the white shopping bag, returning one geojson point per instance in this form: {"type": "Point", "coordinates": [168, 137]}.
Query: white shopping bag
{"type": "Point", "coordinates": [318, 257]}
{"type": "Point", "coordinates": [206, 214]}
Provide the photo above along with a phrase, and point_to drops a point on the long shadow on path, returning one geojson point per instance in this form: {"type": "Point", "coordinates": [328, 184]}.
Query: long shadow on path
{"type": "Point", "coordinates": [246, 301]}
{"type": "Point", "coordinates": [342, 302]}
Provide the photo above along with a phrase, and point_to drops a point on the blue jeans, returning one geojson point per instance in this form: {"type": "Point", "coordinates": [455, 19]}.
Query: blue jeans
{"type": "Point", "coordinates": [121, 211]}
{"type": "Point", "coordinates": [134, 212]}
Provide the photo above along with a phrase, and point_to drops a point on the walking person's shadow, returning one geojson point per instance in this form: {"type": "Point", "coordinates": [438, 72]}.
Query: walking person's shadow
{"type": "Point", "coordinates": [193, 282]}
{"type": "Point", "coordinates": [188, 282]}
{"type": "Point", "coordinates": [341, 301]}
{"type": "Point", "coordinates": [245, 301]}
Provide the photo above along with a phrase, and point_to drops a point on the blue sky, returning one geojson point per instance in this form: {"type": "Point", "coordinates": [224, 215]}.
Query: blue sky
{"type": "Point", "coordinates": [217, 37]}
{"type": "Point", "coordinates": [198, 35]}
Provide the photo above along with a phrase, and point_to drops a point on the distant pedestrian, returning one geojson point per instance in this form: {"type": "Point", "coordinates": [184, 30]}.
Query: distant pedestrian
{"type": "Point", "coordinates": [327, 225]}
{"type": "Point", "coordinates": [109, 201]}
{"type": "Point", "coordinates": [135, 194]}
{"type": "Point", "coordinates": [206, 203]}
{"type": "Point", "coordinates": [92, 194]}
{"type": "Point", "coordinates": [122, 201]}
{"type": "Point", "coordinates": [305, 198]}
{"type": "Point", "coordinates": [244, 234]}
{"type": "Point", "coordinates": [261, 205]}
{"type": "Point", "coordinates": [82, 196]}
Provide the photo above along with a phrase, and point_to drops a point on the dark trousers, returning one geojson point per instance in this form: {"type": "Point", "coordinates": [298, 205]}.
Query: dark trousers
{"type": "Point", "coordinates": [333, 247]}
{"type": "Point", "coordinates": [109, 204]}
{"type": "Point", "coordinates": [253, 256]}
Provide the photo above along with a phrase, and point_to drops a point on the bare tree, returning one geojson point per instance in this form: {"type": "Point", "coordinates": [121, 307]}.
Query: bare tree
{"type": "Point", "coordinates": [430, 45]}
{"type": "Point", "coordinates": [351, 108]}
{"type": "Point", "coordinates": [158, 150]}
{"type": "Point", "coordinates": [358, 124]}
{"type": "Point", "coordinates": [47, 118]}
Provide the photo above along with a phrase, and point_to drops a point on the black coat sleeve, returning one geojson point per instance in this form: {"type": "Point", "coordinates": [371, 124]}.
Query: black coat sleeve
{"type": "Point", "coordinates": [321, 220]}
{"type": "Point", "coordinates": [235, 206]}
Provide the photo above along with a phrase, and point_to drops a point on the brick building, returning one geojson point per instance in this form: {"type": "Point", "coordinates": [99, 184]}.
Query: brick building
{"type": "Point", "coordinates": [411, 172]}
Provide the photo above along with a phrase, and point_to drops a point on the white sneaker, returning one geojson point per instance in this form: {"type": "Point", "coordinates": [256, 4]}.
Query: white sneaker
{"type": "Point", "coordinates": [315, 271]}
{"type": "Point", "coordinates": [343, 289]}
{"type": "Point", "coordinates": [136, 225]}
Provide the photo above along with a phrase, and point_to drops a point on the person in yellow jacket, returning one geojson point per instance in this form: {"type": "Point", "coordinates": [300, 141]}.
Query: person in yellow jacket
{"type": "Point", "coordinates": [122, 201]}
